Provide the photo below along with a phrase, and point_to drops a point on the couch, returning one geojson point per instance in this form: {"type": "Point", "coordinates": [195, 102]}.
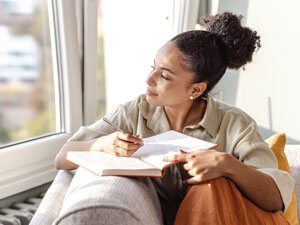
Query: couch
{"type": "Point", "coordinates": [74, 198]}
{"type": "Point", "coordinates": [71, 200]}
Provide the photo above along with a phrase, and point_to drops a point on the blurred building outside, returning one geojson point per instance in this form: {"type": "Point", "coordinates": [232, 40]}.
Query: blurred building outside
{"type": "Point", "coordinates": [26, 79]}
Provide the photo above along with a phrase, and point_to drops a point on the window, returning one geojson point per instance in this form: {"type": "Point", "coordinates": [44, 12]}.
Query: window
{"type": "Point", "coordinates": [100, 88]}
{"type": "Point", "coordinates": [41, 83]}
{"type": "Point", "coordinates": [65, 70]}
{"type": "Point", "coordinates": [27, 95]}
{"type": "Point", "coordinates": [133, 31]}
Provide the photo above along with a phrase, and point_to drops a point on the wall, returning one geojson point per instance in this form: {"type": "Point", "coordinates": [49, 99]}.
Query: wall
{"type": "Point", "coordinates": [133, 33]}
{"type": "Point", "coordinates": [268, 90]}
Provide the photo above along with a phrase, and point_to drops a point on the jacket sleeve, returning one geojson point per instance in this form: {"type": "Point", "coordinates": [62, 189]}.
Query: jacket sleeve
{"type": "Point", "coordinates": [253, 151]}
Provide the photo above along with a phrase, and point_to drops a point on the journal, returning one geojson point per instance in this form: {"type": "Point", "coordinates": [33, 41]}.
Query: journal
{"type": "Point", "coordinates": [146, 161]}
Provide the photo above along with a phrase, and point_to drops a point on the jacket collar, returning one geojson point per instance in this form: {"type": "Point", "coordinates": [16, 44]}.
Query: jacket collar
{"type": "Point", "coordinates": [157, 120]}
{"type": "Point", "coordinates": [155, 115]}
{"type": "Point", "coordinates": [210, 121]}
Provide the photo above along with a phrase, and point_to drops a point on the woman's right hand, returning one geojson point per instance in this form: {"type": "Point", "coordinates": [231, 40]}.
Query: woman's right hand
{"type": "Point", "coordinates": [118, 144]}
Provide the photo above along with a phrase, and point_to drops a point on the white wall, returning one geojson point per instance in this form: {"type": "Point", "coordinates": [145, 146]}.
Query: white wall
{"type": "Point", "coordinates": [268, 89]}
{"type": "Point", "coordinates": [134, 30]}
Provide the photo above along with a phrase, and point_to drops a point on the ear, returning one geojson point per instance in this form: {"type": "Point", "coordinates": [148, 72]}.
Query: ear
{"type": "Point", "coordinates": [198, 89]}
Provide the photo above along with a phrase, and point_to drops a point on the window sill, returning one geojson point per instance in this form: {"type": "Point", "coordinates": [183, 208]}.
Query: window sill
{"type": "Point", "coordinates": [29, 164]}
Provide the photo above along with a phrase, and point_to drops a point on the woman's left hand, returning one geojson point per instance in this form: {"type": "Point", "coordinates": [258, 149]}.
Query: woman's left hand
{"type": "Point", "coordinates": [202, 165]}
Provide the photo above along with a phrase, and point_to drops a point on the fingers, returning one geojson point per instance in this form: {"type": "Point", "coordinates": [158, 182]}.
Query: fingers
{"type": "Point", "coordinates": [118, 151]}
{"type": "Point", "coordinates": [200, 178]}
{"type": "Point", "coordinates": [194, 180]}
{"type": "Point", "coordinates": [129, 138]}
{"type": "Point", "coordinates": [122, 144]}
{"type": "Point", "coordinates": [201, 166]}
{"type": "Point", "coordinates": [182, 157]}
{"type": "Point", "coordinates": [189, 165]}
{"type": "Point", "coordinates": [126, 145]}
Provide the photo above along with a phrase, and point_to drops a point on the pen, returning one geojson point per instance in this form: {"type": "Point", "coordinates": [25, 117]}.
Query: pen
{"type": "Point", "coordinates": [110, 123]}
{"type": "Point", "coordinates": [115, 126]}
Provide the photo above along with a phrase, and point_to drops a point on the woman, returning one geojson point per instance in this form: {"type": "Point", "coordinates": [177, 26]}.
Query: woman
{"type": "Point", "coordinates": [236, 183]}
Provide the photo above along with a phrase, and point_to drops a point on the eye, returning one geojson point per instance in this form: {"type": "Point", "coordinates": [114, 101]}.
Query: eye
{"type": "Point", "coordinates": [161, 75]}
{"type": "Point", "coordinates": [164, 77]}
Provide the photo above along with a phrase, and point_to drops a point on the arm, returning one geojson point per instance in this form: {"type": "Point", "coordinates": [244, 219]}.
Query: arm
{"type": "Point", "coordinates": [100, 136]}
{"type": "Point", "coordinates": [117, 143]}
{"type": "Point", "coordinates": [205, 165]}
{"type": "Point", "coordinates": [61, 163]}
{"type": "Point", "coordinates": [258, 187]}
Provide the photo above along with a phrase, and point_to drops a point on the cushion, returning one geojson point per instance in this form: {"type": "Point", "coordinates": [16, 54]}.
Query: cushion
{"type": "Point", "coordinates": [277, 144]}
{"type": "Point", "coordinates": [95, 200]}
{"type": "Point", "coordinates": [292, 152]}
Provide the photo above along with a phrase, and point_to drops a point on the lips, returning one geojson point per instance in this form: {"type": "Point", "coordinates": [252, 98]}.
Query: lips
{"type": "Point", "coordinates": [150, 92]}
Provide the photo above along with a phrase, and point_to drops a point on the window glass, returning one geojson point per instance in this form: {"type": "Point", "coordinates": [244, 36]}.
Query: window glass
{"type": "Point", "coordinates": [100, 87]}
{"type": "Point", "coordinates": [27, 101]}
{"type": "Point", "coordinates": [133, 33]}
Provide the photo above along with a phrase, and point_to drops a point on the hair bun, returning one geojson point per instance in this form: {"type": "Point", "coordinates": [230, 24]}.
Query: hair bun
{"type": "Point", "coordinates": [238, 42]}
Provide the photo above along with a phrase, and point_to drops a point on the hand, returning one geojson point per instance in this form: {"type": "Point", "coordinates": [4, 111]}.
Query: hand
{"type": "Point", "coordinates": [202, 165]}
{"type": "Point", "coordinates": [118, 144]}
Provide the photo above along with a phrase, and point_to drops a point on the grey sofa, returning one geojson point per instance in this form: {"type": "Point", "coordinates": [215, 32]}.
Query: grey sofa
{"type": "Point", "coordinates": [80, 197]}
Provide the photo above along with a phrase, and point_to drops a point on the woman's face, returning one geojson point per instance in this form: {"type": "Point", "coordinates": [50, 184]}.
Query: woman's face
{"type": "Point", "coordinates": [169, 81]}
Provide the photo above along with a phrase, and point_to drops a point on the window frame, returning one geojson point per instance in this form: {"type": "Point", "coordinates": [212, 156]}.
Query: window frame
{"type": "Point", "coordinates": [31, 163]}
{"type": "Point", "coordinates": [90, 47]}
{"type": "Point", "coordinates": [186, 14]}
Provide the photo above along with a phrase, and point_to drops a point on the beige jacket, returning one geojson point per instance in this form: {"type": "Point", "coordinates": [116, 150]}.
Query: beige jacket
{"type": "Point", "coordinates": [233, 130]}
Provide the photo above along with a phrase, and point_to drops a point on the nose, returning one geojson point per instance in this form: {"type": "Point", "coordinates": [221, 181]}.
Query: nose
{"type": "Point", "coordinates": [151, 79]}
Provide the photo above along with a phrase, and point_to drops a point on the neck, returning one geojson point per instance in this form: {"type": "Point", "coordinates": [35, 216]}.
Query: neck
{"type": "Point", "coordinates": [185, 115]}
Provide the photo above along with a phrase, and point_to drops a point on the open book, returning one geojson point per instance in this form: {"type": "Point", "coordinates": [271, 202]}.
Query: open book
{"type": "Point", "coordinates": [146, 161]}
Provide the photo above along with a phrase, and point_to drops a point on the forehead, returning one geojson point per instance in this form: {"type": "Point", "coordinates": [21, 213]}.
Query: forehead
{"type": "Point", "coordinates": [170, 56]}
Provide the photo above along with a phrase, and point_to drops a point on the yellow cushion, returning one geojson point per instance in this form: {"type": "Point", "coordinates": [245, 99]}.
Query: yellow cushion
{"type": "Point", "coordinates": [277, 143]}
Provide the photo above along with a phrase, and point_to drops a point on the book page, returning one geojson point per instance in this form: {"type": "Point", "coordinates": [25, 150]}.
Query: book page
{"type": "Point", "coordinates": [184, 142]}
{"type": "Point", "coordinates": [99, 161]}
{"type": "Point", "coordinates": [154, 153]}
{"type": "Point", "coordinates": [147, 160]}
{"type": "Point", "coordinates": [169, 143]}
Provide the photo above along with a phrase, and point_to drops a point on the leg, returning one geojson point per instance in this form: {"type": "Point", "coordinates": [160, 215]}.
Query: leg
{"type": "Point", "coordinates": [219, 202]}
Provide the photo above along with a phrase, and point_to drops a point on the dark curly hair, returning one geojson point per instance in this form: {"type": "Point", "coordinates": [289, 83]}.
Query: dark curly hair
{"type": "Point", "coordinates": [225, 44]}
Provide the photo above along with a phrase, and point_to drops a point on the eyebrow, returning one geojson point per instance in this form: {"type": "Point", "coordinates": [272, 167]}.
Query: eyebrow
{"type": "Point", "coordinates": [164, 68]}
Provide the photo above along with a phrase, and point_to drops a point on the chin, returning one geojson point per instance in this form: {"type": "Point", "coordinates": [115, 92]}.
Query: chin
{"type": "Point", "coordinates": [152, 101]}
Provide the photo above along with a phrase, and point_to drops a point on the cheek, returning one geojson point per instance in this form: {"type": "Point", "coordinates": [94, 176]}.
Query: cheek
{"type": "Point", "coordinates": [177, 89]}
{"type": "Point", "coordinates": [173, 94]}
